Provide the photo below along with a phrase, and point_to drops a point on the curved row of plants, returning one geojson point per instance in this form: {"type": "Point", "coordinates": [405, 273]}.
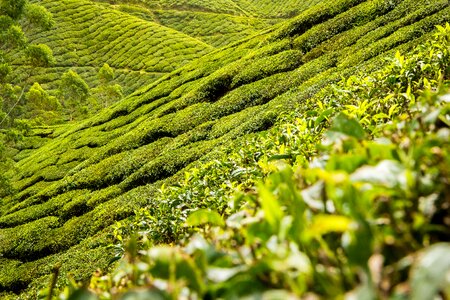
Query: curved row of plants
{"type": "Point", "coordinates": [346, 196]}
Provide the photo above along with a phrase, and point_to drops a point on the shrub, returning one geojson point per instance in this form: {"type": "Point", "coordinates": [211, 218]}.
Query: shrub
{"type": "Point", "coordinates": [39, 99]}
{"type": "Point", "coordinates": [5, 70]}
{"type": "Point", "coordinates": [37, 14]}
{"type": "Point", "coordinates": [40, 55]}
{"type": "Point", "coordinates": [74, 91]}
{"type": "Point", "coordinates": [14, 37]}
{"type": "Point", "coordinates": [13, 8]}
{"type": "Point", "coordinates": [106, 73]}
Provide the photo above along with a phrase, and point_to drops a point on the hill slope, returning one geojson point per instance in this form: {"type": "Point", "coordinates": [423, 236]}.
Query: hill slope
{"type": "Point", "coordinates": [87, 35]}
{"type": "Point", "coordinates": [91, 174]}
{"type": "Point", "coordinates": [217, 23]}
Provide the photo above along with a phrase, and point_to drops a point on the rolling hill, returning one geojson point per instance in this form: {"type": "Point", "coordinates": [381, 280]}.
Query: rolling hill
{"type": "Point", "coordinates": [75, 181]}
{"type": "Point", "coordinates": [86, 35]}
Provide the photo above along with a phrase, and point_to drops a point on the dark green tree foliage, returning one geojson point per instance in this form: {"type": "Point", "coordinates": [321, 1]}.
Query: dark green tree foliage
{"type": "Point", "coordinates": [13, 37]}
{"type": "Point", "coordinates": [40, 55]}
{"type": "Point", "coordinates": [12, 8]}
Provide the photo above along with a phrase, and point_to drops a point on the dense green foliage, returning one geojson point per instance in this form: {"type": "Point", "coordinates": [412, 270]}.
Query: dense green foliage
{"type": "Point", "coordinates": [74, 182]}
{"type": "Point", "coordinates": [12, 112]}
{"type": "Point", "coordinates": [345, 198]}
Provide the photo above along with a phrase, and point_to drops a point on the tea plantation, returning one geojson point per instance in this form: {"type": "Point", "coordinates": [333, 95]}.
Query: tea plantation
{"type": "Point", "coordinates": [86, 35]}
{"type": "Point", "coordinates": [264, 149]}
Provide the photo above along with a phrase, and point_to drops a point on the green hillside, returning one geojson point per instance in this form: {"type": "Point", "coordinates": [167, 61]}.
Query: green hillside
{"type": "Point", "coordinates": [263, 8]}
{"type": "Point", "coordinates": [87, 35]}
{"type": "Point", "coordinates": [217, 23]}
{"type": "Point", "coordinates": [74, 182]}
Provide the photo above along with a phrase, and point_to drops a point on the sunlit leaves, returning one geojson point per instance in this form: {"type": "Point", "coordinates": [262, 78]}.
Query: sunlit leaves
{"type": "Point", "coordinates": [40, 55]}
{"type": "Point", "coordinates": [203, 217]}
{"type": "Point", "coordinates": [38, 15]}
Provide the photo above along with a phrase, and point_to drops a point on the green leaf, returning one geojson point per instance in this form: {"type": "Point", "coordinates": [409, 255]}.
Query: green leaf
{"type": "Point", "coordinates": [203, 217]}
{"type": "Point", "coordinates": [168, 262]}
{"type": "Point", "coordinates": [324, 115]}
{"type": "Point", "coordinates": [323, 224]}
{"type": "Point", "coordinates": [431, 272]}
{"type": "Point", "coordinates": [271, 207]}
{"type": "Point", "coordinates": [216, 274]}
{"type": "Point", "coordinates": [350, 127]}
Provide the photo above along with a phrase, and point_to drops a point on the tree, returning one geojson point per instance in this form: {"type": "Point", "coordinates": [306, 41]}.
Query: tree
{"type": "Point", "coordinates": [11, 104]}
{"type": "Point", "coordinates": [105, 74]}
{"type": "Point", "coordinates": [107, 93]}
{"type": "Point", "coordinates": [12, 8]}
{"type": "Point", "coordinates": [73, 86]}
{"type": "Point", "coordinates": [38, 99]}
{"type": "Point", "coordinates": [5, 70]}
{"type": "Point", "coordinates": [13, 37]}
{"type": "Point", "coordinates": [74, 92]}
{"type": "Point", "coordinates": [38, 15]}
{"type": "Point", "coordinates": [41, 108]}
{"type": "Point", "coordinates": [40, 55]}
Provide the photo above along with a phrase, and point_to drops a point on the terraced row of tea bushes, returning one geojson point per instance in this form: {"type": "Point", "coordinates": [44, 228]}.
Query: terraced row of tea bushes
{"type": "Point", "coordinates": [220, 6]}
{"type": "Point", "coordinates": [190, 112]}
{"type": "Point", "coordinates": [214, 29]}
{"type": "Point", "coordinates": [262, 9]}
{"type": "Point", "coordinates": [405, 14]}
{"type": "Point", "coordinates": [346, 196]}
{"type": "Point", "coordinates": [279, 9]}
{"type": "Point", "coordinates": [216, 24]}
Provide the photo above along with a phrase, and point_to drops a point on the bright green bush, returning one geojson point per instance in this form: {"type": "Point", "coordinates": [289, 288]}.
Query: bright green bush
{"type": "Point", "coordinates": [38, 15]}
{"type": "Point", "coordinates": [74, 91]}
{"type": "Point", "coordinates": [40, 55]}
{"type": "Point", "coordinates": [38, 99]}
{"type": "Point", "coordinates": [13, 37]}
{"type": "Point", "coordinates": [106, 73]}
